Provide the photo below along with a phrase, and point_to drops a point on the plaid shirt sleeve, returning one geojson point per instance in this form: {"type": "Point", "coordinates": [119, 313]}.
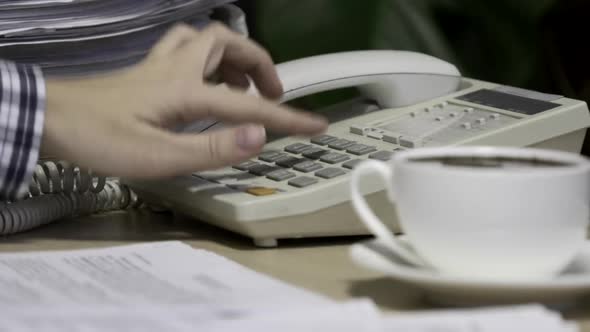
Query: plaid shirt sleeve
{"type": "Point", "coordinates": [22, 111]}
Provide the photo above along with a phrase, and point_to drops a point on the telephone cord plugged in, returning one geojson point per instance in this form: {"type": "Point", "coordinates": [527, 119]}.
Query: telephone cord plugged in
{"type": "Point", "coordinates": [60, 190]}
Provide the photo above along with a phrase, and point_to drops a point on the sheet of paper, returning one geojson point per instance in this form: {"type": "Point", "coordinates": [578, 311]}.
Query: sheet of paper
{"type": "Point", "coordinates": [347, 317]}
{"type": "Point", "coordinates": [505, 319]}
{"type": "Point", "coordinates": [171, 286]}
{"type": "Point", "coordinates": [157, 273]}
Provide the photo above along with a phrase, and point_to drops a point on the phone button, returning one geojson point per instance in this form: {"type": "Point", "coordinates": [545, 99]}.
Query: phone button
{"type": "Point", "coordinates": [409, 142]}
{"type": "Point", "coordinates": [334, 158]}
{"type": "Point", "coordinates": [329, 173]}
{"type": "Point", "coordinates": [261, 191]}
{"type": "Point", "coordinates": [381, 155]}
{"type": "Point", "coordinates": [280, 175]}
{"type": "Point", "coordinates": [307, 166]}
{"type": "Point", "coordinates": [263, 169]}
{"type": "Point", "coordinates": [341, 144]}
{"type": "Point", "coordinates": [303, 181]}
{"type": "Point", "coordinates": [360, 149]}
{"type": "Point", "coordinates": [351, 164]}
{"type": "Point", "coordinates": [323, 139]}
{"type": "Point", "coordinates": [245, 166]}
{"type": "Point", "coordinates": [290, 161]}
{"type": "Point", "coordinates": [315, 153]}
{"type": "Point", "coordinates": [390, 139]}
{"type": "Point", "coordinates": [297, 148]}
{"type": "Point", "coordinates": [271, 156]}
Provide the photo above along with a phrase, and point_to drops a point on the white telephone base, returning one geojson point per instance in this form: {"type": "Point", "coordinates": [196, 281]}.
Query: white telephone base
{"type": "Point", "coordinates": [299, 187]}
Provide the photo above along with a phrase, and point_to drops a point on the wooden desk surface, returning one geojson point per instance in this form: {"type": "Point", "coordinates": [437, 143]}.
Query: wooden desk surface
{"type": "Point", "coordinates": [319, 265]}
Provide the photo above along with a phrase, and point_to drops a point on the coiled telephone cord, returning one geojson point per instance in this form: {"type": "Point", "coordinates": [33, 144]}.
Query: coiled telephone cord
{"type": "Point", "coordinates": [60, 190]}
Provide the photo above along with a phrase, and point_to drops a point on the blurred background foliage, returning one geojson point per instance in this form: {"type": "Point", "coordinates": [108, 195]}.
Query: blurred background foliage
{"type": "Point", "coordinates": [535, 44]}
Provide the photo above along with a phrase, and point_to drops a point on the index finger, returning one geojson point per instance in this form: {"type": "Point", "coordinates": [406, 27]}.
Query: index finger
{"type": "Point", "coordinates": [241, 54]}
{"type": "Point", "coordinates": [236, 106]}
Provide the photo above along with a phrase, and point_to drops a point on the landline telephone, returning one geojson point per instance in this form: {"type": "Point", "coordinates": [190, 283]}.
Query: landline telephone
{"type": "Point", "coordinates": [299, 187]}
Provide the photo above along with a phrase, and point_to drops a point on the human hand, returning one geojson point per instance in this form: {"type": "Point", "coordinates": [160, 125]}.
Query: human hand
{"type": "Point", "coordinates": [118, 124]}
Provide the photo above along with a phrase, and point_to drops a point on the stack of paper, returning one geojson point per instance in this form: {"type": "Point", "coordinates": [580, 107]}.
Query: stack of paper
{"type": "Point", "coordinates": [74, 37]}
{"type": "Point", "coordinates": [169, 286]}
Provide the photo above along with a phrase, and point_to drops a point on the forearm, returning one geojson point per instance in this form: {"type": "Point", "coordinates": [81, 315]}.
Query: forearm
{"type": "Point", "coordinates": [22, 111]}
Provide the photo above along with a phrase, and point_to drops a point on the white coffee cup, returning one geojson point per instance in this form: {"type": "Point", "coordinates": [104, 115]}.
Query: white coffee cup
{"type": "Point", "coordinates": [483, 212]}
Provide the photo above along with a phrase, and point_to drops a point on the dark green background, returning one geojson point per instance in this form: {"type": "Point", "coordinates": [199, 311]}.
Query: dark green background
{"type": "Point", "coordinates": [535, 44]}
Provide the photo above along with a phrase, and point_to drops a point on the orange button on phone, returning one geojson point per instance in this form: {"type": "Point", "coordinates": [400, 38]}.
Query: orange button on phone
{"type": "Point", "coordinates": [261, 191]}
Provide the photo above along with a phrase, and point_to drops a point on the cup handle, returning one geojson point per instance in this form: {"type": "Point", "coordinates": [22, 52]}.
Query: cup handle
{"type": "Point", "coordinates": [366, 215]}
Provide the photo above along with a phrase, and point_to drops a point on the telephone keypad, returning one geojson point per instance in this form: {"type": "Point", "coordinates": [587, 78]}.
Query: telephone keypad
{"type": "Point", "coordinates": [303, 181]}
{"type": "Point", "coordinates": [323, 139]}
{"type": "Point", "coordinates": [361, 149]}
{"type": "Point", "coordinates": [341, 144]}
{"type": "Point", "coordinates": [334, 158]}
{"type": "Point", "coordinates": [280, 175]}
{"type": "Point", "coordinates": [307, 166]}
{"type": "Point", "coordinates": [329, 173]}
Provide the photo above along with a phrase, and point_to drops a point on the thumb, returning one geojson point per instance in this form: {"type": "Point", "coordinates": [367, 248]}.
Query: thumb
{"type": "Point", "coordinates": [176, 154]}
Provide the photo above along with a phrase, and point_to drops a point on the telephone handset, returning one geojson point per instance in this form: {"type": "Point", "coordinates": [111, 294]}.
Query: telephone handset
{"type": "Point", "coordinates": [299, 187]}
{"type": "Point", "coordinates": [378, 74]}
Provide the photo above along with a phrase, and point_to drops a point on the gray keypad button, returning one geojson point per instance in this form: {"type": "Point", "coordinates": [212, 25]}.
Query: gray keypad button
{"type": "Point", "coordinates": [280, 175]}
{"type": "Point", "coordinates": [315, 153]}
{"type": "Point", "coordinates": [263, 169]}
{"type": "Point", "coordinates": [381, 155]}
{"type": "Point", "coordinates": [245, 166]}
{"type": "Point", "coordinates": [271, 156]}
{"type": "Point", "coordinates": [360, 149]}
{"type": "Point", "coordinates": [334, 158]}
{"type": "Point", "coordinates": [351, 164]}
{"type": "Point", "coordinates": [290, 161]}
{"type": "Point", "coordinates": [307, 166]}
{"type": "Point", "coordinates": [323, 139]}
{"type": "Point", "coordinates": [330, 173]}
{"type": "Point", "coordinates": [297, 148]}
{"type": "Point", "coordinates": [341, 144]}
{"type": "Point", "coordinates": [303, 181]}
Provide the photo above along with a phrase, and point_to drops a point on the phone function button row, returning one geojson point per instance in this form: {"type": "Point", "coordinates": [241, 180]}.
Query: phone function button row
{"type": "Point", "coordinates": [323, 139]}
{"type": "Point", "coordinates": [303, 181]}
{"type": "Point", "coordinates": [280, 175]}
{"type": "Point", "coordinates": [341, 144]}
{"type": "Point", "coordinates": [361, 149]}
{"type": "Point", "coordinates": [334, 158]}
{"type": "Point", "coordinates": [307, 166]}
{"type": "Point", "coordinates": [330, 173]}
{"type": "Point", "coordinates": [297, 148]}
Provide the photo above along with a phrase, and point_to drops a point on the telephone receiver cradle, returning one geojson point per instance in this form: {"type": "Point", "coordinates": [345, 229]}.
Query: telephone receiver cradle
{"type": "Point", "coordinates": [421, 101]}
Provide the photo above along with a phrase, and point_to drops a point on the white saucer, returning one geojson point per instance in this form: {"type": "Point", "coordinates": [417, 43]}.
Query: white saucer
{"type": "Point", "coordinates": [573, 283]}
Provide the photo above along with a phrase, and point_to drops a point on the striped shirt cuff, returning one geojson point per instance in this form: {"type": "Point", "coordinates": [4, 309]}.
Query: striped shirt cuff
{"type": "Point", "coordinates": [22, 111]}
